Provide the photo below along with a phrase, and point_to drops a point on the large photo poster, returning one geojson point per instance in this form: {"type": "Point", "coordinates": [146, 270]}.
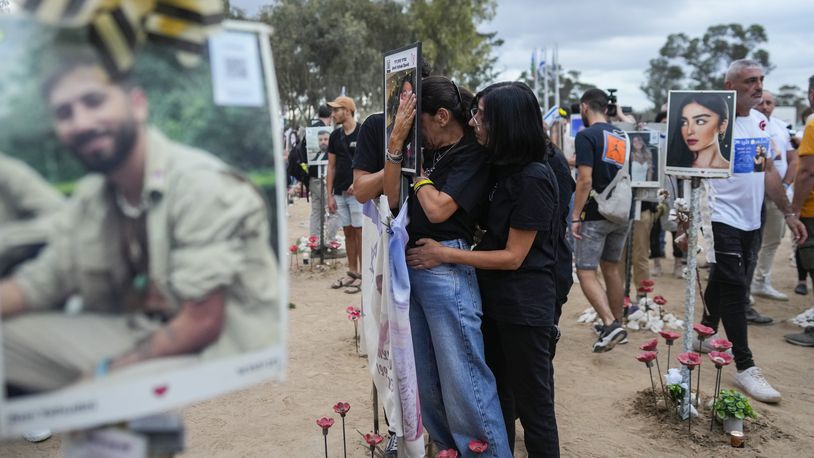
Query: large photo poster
{"type": "Point", "coordinates": [699, 133]}
{"type": "Point", "coordinates": [157, 281]}
{"type": "Point", "coordinates": [402, 70]}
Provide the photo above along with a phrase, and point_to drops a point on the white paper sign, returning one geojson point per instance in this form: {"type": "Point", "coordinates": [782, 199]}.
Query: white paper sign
{"type": "Point", "coordinates": [236, 75]}
{"type": "Point", "coordinates": [105, 443]}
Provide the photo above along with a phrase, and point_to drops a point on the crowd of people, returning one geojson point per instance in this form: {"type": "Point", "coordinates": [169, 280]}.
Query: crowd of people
{"type": "Point", "coordinates": [499, 217]}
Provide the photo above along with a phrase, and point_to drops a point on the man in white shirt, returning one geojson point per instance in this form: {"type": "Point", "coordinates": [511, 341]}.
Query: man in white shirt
{"type": "Point", "coordinates": [785, 162]}
{"type": "Point", "coordinates": [736, 220]}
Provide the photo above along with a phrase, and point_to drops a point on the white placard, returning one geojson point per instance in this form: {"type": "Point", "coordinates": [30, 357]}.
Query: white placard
{"type": "Point", "coordinates": [236, 76]}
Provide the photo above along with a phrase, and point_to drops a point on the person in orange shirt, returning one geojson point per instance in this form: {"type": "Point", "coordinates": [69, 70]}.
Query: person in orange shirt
{"type": "Point", "coordinates": [803, 204]}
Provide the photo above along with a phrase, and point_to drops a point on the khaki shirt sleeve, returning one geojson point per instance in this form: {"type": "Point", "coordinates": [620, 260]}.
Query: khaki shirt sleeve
{"type": "Point", "coordinates": [49, 279]}
{"type": "Point", "coordinates": [31, 194]}
{"type": "Point", "coordinates": [216, 220]}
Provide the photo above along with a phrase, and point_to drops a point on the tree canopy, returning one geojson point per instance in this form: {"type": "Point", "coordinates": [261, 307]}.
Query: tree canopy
{"type": "Point", "coordinates": [322, 46]}
{"type": "Point", "coordinates": [686, 62]}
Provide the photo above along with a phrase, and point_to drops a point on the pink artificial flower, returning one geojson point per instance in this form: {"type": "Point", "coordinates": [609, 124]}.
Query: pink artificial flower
{"type": "Point", "coordinates": [325, 423]}
{"type": "Point", "coordinates": [720, 344]}
{"type": "Point", "coordinates": [312, 245]}
{"type": "Point", "coordinates": [670, 336]}
{"type": "Point", "coordinates": [478, 446]}
{"type": "Point", "coordinates": [660, 300]}
{"type": "Point", "coordinates": [353, 313]}
{"type": "Point", "coordinates": [293, 249]}
{"type": "Point", "coordinates": [342, 408]}
{"type": "Point", "coordinates": [334, 244]}
{"type": "Point", "coordinates": [703, 331]}
{"type": "Point", "coordinates": [689, 359]}
{"type": "Point", "coordinates": [373, 439]}
{"type": "Point", "coordinates": [448, 453]}
{"type": "Point", "coordinates": [650, 345]}
{"type": "Point", "coordinates": [313, 239]}
{"type": "Point", "coordinates": [720, 359]}
{"type": "Point", "coordinates": [647, 283]}
{"type": "Point", "coordinates": [646, 357]}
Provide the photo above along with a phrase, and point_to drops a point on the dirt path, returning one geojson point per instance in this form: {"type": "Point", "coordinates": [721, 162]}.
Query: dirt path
{"type": "Point", "coordinates": [598, 410]}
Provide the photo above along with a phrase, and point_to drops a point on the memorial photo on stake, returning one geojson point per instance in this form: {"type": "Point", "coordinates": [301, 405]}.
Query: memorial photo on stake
{"type": "Point", "coordinates": [316, 141]}
{"type": "Point", "coordinates": [699, 133]}
{"type": "Point", "coordinates": [401, 80]}
{"type": "Point", "coordinates": [644, 164]}
{"type": "Point", "coordinates": [159, 282]}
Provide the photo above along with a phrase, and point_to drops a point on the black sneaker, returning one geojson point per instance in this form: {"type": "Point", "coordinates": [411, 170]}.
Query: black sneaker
{"type": "Point", "coordinates": [801, 289]}
{"type": "Point", "coordinates": [611, 335]}
{"type": "Point", "coordinates": [391, 449]}
{"type": "Point", "coordinates": [598, 328]}
{"type": "Point", "coordinates": [753, 317]}
{"type": "Point", "coordinates": [804, 339]}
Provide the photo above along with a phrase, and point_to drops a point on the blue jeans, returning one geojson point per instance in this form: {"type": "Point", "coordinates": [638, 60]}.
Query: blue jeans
{"type": "Point", "coordinates": [458, 394]}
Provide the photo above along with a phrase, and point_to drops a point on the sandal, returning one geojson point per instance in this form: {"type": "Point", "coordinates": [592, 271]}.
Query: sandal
{"type": "Point", "coordinates": [345, 281]}
{"type": "Point", "coordinates": [354, 287]}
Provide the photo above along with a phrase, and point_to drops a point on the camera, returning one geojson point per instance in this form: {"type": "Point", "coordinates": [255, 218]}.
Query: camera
{"type": "Point", "coordinates": [612, 107]}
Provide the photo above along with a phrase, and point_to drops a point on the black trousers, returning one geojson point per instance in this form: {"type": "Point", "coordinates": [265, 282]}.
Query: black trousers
{"type": "Point", "coordinates": [727, 293]}
{"type": "Point", "coordinates": [521, 359]}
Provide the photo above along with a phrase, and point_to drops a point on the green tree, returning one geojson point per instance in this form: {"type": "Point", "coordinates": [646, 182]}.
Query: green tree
{"type": "Point", "coordinates": [450, 40]}
{"type": "Point", "coordinates": [321, 46]}
{"type": "Point", "coordinates": [686, 62]}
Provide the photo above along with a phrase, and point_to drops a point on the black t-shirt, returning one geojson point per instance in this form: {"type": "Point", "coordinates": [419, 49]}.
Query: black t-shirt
{"type": "Point", "coordinates": [343, 146]}
{"type": "Point", "coordinates": [463, 174]}
{"type": "Point", "coordinates": [590, 151]}
{"type": "Point", "coordinates": [525, 198]}
{"type": "Point", "coordinates": [566, 186]}
{"type": "Point", "coordinates": [370, 145]}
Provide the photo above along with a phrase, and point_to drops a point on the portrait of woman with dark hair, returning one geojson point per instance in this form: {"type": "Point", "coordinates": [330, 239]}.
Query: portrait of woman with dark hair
{"type": "Point", "coordinates": [698, 132]}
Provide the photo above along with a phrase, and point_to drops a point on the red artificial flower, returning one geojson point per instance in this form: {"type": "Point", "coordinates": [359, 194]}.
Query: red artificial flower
{"type": "Point", "coordinates": [373, 439]}
{"type": "Point", "coordinates": [312, 245]}
{"type": "Point", "coordinates": [647, 283]}
{"type": "Point", "coordinates": [650, 345]}
{"type": "Point", "coordinates": [334, 244]}
{"type": "Point", "coordinates": [720, 359]}
{"type": "Point", "coordinates": [720, 344]}
{"type": "Point", "coordinates": [325, 423]}
{"type": "Point", "coordinates": [689, 359]}
{"type": "Point", "coordinates": [313, 239]}
{"type": "Point", "coordinates": [478, 446]}
{"type": "Point", "coordinates": [660, 300]}
{"type": "Point", "coordinates": [703, 331]}
{"type": "Point", "coordinates": [342, 408]}
{"type": "Point", "coordinates": [293, 249]}
{"type": "Point", "coordinates": [353, 313]}
{"type": "Point", "coordinates": [646, 356]}
{"type": "Point", "coordinates": [448, 453]}
{"type": "Point", "coordinates": [670, 336]}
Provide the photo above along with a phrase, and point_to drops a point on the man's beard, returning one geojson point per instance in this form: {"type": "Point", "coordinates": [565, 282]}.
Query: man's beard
{"type": "Point", "coordinates": [123, 140]}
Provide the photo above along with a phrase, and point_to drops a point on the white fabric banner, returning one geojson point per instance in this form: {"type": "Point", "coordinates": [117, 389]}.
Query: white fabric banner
{"type": "Point", "coordinates": [386, 320]}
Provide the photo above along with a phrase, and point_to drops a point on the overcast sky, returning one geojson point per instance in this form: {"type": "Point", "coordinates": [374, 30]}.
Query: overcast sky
{"type": "Point", "coordinates": [610, 42]}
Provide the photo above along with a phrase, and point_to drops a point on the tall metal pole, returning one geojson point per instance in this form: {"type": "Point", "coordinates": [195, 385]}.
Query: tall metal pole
{"type": "Point", "coordinates": [556, 68]}
{"type": "Point", "coordinates": [690, 289]}
{"type": "Point", "coordinates": [322, 244]}
{"type": "Point", "coordinates": [544, 75]}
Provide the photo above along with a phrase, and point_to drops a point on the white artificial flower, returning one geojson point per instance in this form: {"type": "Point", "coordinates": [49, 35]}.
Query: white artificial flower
{"type": "Point", "coordinates": [673, 376]}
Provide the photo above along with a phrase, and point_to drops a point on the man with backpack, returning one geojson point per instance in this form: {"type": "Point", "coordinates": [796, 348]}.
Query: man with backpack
{"type": "Point", "coordinates": [599, 242]}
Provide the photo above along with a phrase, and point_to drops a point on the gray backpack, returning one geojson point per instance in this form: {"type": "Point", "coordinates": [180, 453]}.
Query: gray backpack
{"type": "Point", "coordinates": [614, 202]}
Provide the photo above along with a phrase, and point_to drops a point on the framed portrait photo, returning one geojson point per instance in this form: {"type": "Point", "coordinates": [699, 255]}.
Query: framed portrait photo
{"type": "Point", "coordinates": [644, 163]}
{"type": "Point", "coordinates": [699, 133]}
{"type": "Point", "coordinates": [316, 144]}
{"type": "Point", "coordinates": [402, 78]}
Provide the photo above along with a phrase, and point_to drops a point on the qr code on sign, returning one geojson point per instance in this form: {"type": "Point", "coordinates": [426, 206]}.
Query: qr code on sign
{"type": "Point", "coordinates": [236, 68]}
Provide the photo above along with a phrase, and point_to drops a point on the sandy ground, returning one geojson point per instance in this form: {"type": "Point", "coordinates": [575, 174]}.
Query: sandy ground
{"type": "Point", "coordinates": [601, 410]}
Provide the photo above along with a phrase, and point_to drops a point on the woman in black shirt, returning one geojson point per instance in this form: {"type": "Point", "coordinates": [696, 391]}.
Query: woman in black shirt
{"type": "Point", "coordinates": [516, 260]}
{"type": "Point", "coordinates": [459, 400]}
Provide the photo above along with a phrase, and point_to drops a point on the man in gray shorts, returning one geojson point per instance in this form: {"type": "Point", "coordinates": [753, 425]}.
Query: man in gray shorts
{"type": "Point", "coordinates": [598, 242]}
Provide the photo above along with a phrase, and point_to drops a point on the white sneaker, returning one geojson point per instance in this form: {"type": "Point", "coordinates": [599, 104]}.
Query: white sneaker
{"type": "Point", "coordinates": [37, 436]}
{"type": "Point", "coordinates": [752, 382]}
{"type": "Point", "coordinates": [765, 289]}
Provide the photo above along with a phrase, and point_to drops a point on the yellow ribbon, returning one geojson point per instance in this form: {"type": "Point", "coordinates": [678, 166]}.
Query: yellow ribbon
{"type": "Point", "coordinates": [118, 27]}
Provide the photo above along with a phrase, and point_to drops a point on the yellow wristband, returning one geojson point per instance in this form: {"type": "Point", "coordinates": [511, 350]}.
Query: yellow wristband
{"type": "Point", "coordinates": [421, 183]}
